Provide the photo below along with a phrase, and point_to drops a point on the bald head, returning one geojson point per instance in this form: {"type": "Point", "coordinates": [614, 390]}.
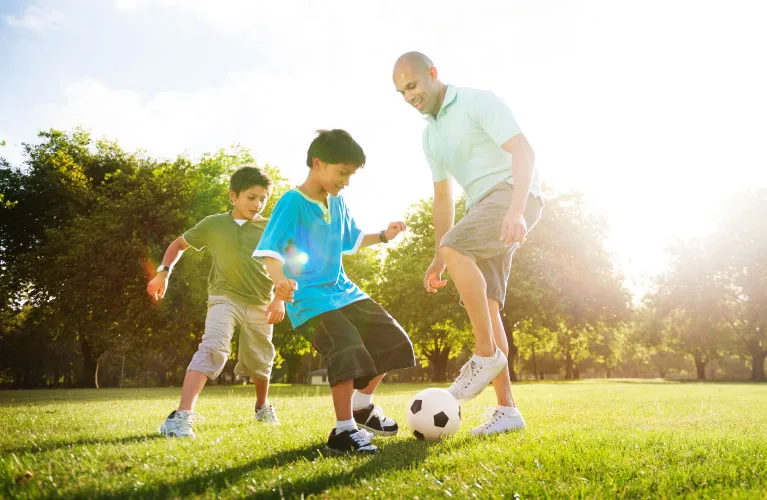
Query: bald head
{"type": "Point", "coordinates": [416, 62]}
{"type": "Point", "coordinates": [415, 77]}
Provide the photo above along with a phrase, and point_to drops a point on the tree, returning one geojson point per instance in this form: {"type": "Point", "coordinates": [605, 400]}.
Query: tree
{"type": "Point", "coordinates": [437, 326]}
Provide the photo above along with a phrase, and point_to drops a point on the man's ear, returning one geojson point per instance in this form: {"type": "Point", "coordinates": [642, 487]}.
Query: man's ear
{"type": "Point", "coordinates": [433, 73]}
{"type": "Point", "coordinates": [232, 196]}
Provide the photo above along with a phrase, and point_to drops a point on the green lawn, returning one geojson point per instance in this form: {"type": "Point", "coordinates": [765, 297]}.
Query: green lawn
{"type": "Point", "coordinates": [584, 440]}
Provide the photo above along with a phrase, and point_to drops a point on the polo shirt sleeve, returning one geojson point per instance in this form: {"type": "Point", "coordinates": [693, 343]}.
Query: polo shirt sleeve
{"type": "Point", "coordinates": [197, 237]}
{"type": "Point", "coordinates": [280, 231]}
{"type": "Point", "coordinates": [438, 170]}
{"type": "Point", "coordinates": [494, 117]}
{"type": "Point", "coordinates": [352, 236]}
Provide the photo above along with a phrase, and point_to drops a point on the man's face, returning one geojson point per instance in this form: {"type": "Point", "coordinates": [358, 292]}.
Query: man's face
{"type": "Point", "coordinates": [419, 88]}
{"type": "Point", "coordinates": [249, 203]}
{"type": "Point", "coordinates": [334, 176]}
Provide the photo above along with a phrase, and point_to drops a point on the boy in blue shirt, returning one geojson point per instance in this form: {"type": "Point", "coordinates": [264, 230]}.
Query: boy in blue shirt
{"type": "Point", "coordinates": [302, 245]}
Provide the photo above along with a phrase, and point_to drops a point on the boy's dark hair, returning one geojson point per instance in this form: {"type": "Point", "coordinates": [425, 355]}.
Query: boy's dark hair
{"type": "Point", "coordinates": [335, 146]}
{"type": "Point", "coordinates": [248, 176]}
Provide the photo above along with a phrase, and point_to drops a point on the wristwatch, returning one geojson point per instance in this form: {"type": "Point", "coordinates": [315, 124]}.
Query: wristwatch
{"type": "Point", "coordinates": [382, 236]}
{"type": "Point", "coordinates": [163, 267]}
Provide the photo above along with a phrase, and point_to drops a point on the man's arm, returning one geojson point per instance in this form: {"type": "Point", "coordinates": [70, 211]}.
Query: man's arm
{"type": "Point", "coordinates": [443, 216]}
{"type": "Point", "coordinates": [159, 284]}
{"type": "Point", "coordinates": [522, 168]}
{"type": "Point", "coordinates": [443, 210]}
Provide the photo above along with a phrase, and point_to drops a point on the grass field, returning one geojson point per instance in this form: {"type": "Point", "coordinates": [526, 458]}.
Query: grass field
{"type": "Point", "coordinates": [590, 439]}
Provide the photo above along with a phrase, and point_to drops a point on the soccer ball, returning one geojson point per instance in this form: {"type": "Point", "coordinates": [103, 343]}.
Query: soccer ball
{"type": "Point", "coordinates": [433, 413]}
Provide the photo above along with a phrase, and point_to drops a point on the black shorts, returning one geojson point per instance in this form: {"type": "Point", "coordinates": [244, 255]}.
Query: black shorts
{"type": "Point", "coordinates": [359, 341]}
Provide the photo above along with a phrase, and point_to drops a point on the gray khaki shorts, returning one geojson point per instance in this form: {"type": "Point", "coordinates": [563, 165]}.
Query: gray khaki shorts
{"type": "Point", "coordinates": [256, 352]}
{"type": "Point", "coordinates": [477, 236]}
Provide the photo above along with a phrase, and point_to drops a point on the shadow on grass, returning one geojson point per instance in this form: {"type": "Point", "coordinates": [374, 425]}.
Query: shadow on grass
{"type": "Point", "coordinates": [397, 455]}
{"type": "Point", "coordinates": [55, 445]}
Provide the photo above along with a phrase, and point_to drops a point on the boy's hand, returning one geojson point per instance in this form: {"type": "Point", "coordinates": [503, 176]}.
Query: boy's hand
{"type": "Point", "coordinates": [514, 228]}
{"type": "Point", "coordinates": [275, 312]}
{"type": "Point", "coordinates": [157, 286]}
{"type": "Point", "coordinates": [284, 289]}
{"type": "Point", "coordinates": [433, 278]}
{"type": "Point", "coordinates": [394, 229]}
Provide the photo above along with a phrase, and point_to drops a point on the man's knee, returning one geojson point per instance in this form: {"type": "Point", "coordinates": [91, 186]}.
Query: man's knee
{"type": "Point", "coordinates": [493, 306]}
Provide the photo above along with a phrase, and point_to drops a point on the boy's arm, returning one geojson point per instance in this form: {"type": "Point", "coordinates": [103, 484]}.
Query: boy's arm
{"type": "Point", "coordinates": [159, 284]}
{"type": "Point", "coordinates": [384, 236]}
{"type": "Point", "coordinates": [283, 286]}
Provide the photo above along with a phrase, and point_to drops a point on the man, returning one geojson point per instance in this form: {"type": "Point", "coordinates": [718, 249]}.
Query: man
{"type": "Point", "coordinates": [472, 136]}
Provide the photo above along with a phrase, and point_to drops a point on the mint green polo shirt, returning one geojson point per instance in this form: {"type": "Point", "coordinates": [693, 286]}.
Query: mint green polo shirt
{"type": "Point", "coordinates": [464, 141]}
{"type": "Point", "coordinates": [234, 273]}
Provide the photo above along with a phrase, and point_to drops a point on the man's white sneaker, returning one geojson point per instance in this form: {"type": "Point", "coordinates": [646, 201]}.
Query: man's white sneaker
{"type": "Point", "coordinates": [179, 423]}
{"type": "Point", "coordinates": [475, 376]}
{"type": "Point", "coordinates": [500, 420]}
{"type": "Point", "coordinates": [267, 415]}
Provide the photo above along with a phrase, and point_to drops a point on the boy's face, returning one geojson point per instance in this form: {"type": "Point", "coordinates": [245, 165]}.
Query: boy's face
{"type": "Point", "coordinates": [249, 203]}
{"type": "Point", "coordinates": [333, 177]}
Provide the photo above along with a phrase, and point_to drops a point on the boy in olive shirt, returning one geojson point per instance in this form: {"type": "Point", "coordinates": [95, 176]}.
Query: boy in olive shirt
{"type": "Point", "coordinates": [239, 294]}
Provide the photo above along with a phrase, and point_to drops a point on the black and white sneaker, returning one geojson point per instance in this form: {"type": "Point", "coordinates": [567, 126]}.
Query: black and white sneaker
{"type": "Point", "coordinates": [372, 418]}
{"type": "Point", "coordinates": [351, 441]}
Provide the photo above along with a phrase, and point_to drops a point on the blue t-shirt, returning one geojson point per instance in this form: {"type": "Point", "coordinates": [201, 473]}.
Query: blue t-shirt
{"type": "Point", "coordinates": [309, 239]}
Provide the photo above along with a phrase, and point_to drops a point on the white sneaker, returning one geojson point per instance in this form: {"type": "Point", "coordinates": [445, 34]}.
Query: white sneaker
{"type": "Point", "coordinates": [267, 415]}
{"type": "Point", "coordinates": [499, 421]}
{"type": "Point", "coordinates": [179, 423]}
{"type": "Point", "coordinates": [474, 377]}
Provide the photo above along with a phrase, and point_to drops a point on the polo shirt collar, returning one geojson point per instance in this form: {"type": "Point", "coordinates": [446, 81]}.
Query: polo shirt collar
{"type": "Point", "coordinates": [450, 95]}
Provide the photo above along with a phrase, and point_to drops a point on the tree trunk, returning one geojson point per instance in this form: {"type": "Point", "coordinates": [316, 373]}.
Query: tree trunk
{"type": "Point", "coordinates": [90, 365]}
{"type": "Point", "coordinates": [568, 365]}
{"type": "Point", "coordinates": [535, 364]}
{"type": "Point", "coordinates": [96, 372]}
{"type": "Point", "coordinates": [513, 354]}
{"type": "Point", "coordinates": [294, 363]}
{"type": "Point", "coordinates": [122, 372]}
{"type": "Point", "coordinates": [438, 361]}
{"type": "Point", "coordinates": [609, 372]}
{"type": "Point", "coordinates": [757, 365]}
{"type": "Point", "coordinates": [700, 365]}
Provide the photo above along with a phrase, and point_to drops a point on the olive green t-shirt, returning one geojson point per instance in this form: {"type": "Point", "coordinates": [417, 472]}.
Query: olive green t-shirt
{"type": "Point", "coordinates": [235, 273]}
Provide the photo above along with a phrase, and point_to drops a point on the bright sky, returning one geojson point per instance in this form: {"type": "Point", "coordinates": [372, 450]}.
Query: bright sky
{"type": "Point", "coordinates": [652, 108]}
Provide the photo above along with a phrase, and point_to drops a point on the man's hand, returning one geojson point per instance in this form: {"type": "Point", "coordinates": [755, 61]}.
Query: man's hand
{"type": "Point", "coordinates": [275, 312]}
{"type": "Point", "coordinates": [514, 228]}
{"type": "Point", "coordinates": [283, 289]}
{"type": "Point", "coordinates": [394, 229]}
{"type": "Point", "coordinates": [433, 278]}
{"type": "Point", "coordinates": [157, 286]}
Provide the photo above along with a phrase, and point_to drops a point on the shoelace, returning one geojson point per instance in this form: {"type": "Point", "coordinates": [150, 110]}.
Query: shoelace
{"type": "Point", "coordinates": [362, 437]}
{"type": "Point", "coordinates": [491, 416]}
{"type": "Point", "coordinates": [191, 416]}
{"type": "Point", "coordinates": [378, 412]}
{"type": "Point", "coordinates": [268, 411]}
{"type": "Point", "coordinates": [468, 372]}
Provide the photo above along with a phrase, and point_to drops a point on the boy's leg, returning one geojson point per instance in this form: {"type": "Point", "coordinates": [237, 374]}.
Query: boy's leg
{"type": "Point", "coordinates": [262, 389]}
{"type": "Point", "coordinates": [345, 436]}
{"type": "Point", "coordinates": [194, 382]}
{"type": "Point", "coordinates": [342, 400]}
{"type": "Point", "coordinates": [207, 363]}
{"type": "Point", "coordinates": [255, 357]}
